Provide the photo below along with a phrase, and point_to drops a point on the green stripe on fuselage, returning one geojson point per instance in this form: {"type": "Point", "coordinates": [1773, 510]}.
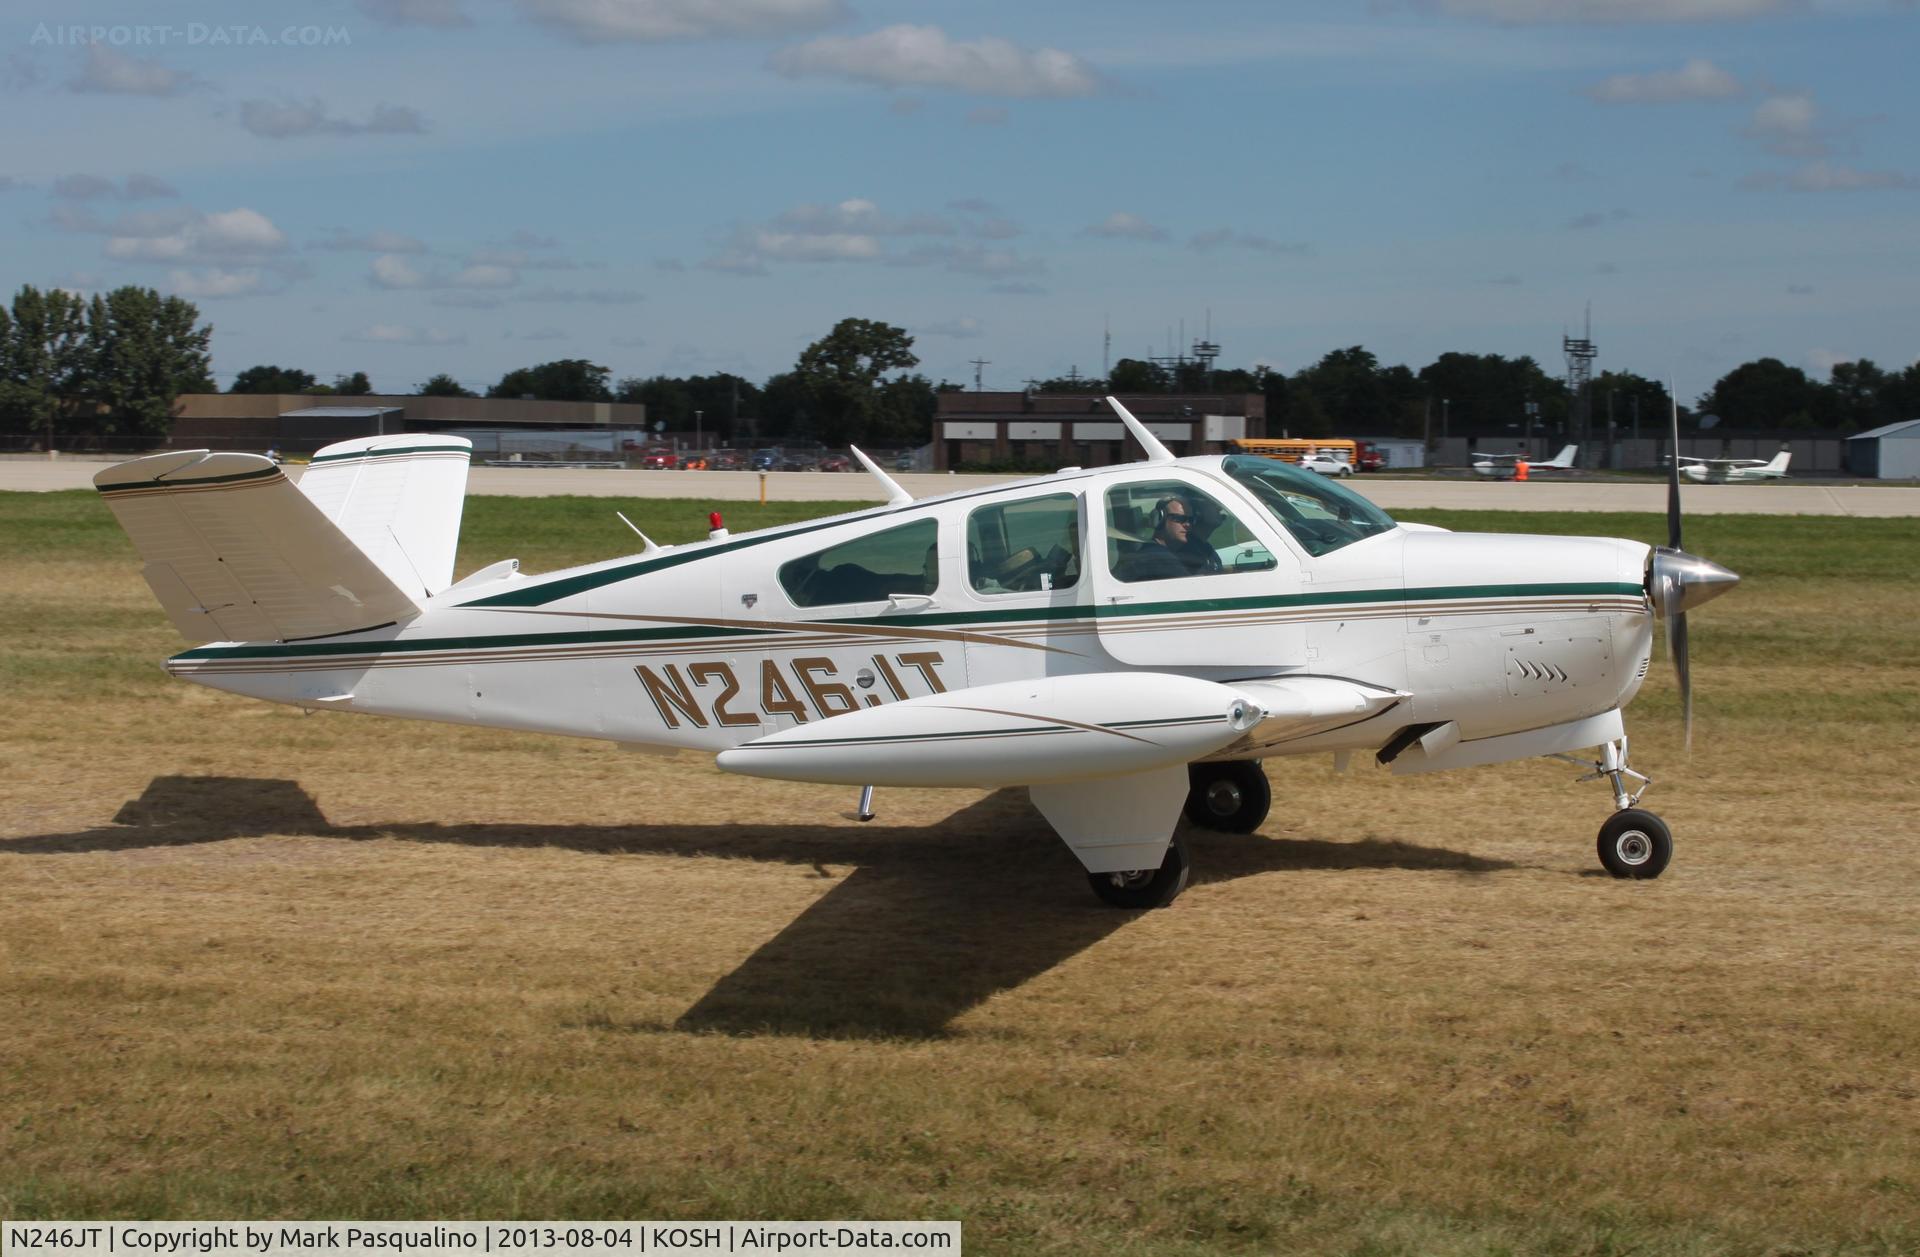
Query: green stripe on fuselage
{"type": "Point", "coordinates": [692, 633]}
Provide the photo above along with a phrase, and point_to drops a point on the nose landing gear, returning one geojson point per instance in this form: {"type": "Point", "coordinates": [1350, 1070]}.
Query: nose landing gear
{"type": "Point", "coordinates": [1634, 843]}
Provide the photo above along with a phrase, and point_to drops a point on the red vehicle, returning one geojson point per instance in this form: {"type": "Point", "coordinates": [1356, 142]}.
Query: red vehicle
{"type": "Point", "coordinates": [836, 462]}
{"type": "Point", "coordinates": [1367, 456]}
{"type": "Point", "coordinates": [659, 458]}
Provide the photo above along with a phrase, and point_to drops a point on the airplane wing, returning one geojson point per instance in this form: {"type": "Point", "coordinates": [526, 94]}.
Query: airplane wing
{"type": "Point", "coordinates": [1056, 729]}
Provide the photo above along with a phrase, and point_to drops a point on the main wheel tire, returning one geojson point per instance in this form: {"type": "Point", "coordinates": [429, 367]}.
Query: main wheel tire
{"type": "Point", "coordinates": [1635, 843]}
{"type": "Point", "coordinates": [1231, 797]}
{"type": "Point", "coordinates": [1145, 888]}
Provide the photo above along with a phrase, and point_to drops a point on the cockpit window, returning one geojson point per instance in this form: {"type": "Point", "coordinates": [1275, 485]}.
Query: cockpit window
{"type": "Point", "coordinates": [1321, 514]}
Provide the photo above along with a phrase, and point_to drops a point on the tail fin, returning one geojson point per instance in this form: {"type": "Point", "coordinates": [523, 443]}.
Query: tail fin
{"type": "Point", "coordinates": [1564, 459]}
{"type": "Point", "coordinates": [235, 553]}
{"type": "Point", "coordinates": [399, 499]}
{"type": "Point", "coordinates": [1779, 463]}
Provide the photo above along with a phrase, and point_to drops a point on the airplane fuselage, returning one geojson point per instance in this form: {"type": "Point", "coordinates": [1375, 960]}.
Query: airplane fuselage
{"type": "Point", "coordinates": [718, 643]}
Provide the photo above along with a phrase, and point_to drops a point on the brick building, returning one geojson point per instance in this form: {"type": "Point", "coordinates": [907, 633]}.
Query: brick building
{"type": "Point", "coordinates": [1078, 430]}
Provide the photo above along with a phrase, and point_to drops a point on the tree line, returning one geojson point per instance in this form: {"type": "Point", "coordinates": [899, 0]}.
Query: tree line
{"type": "Point", "coordinates": [1350, 391]}
{"type": "Point", "coordinates": [109, 365]}
{"type": "Point", "coordinates": [112, 365]}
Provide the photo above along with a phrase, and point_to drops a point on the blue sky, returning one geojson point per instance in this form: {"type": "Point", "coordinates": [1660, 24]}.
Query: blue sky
{"type": "Point", "coordinates": [685, 186]}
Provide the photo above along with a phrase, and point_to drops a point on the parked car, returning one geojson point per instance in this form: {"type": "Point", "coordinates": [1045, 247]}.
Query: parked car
{"type": "Point", "coordinates": [1326, 464]}
{"type": "Point", "coordinates": [724, 460]}
{"type": "Point", "coordinates": [764, 460]}
{"type": "Point", "coordinates": [904, 462]}
{"type": "Point", "coordinates": [836, 462]}
{"type": "Point", "coordinates": [659, 458]}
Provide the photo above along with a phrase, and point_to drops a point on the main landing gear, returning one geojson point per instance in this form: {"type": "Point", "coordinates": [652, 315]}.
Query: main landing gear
{"type": "Point", "coordinates": [1634, 842]}
{"type": "Point", "coordinates": [1231, 797]}
{"type": "Point", "coordinates": [1146, 888]}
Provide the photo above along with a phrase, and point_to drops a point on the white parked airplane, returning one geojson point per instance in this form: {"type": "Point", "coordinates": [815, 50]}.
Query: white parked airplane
{"type": "Point", "coordinates": [1734, 470]}
{"type": "Point", "coordinates": [1127, 642]}
{"type": "Point", "coordinates": [1502, 466]}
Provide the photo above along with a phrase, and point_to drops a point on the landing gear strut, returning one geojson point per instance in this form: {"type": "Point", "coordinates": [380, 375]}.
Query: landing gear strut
{"type": "Point", "coordinates": [1634, 843]}
{"type": "Point", "coordinates": [1232, 797]}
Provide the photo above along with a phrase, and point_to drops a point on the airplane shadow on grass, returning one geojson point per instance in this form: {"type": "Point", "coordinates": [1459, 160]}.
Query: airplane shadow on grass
{"type": "Point", "coordinates": [932, 921]}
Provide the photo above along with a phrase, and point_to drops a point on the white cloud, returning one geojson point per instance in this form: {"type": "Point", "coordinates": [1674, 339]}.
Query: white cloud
{"type": "Point", "coordinates": [651, 21]}
{"type": "Point", "coordinates": [214, 282]}
{"type": "Point", "coordinates": [376, 241]}
{"type": "Point", "coordinates": [859, 217]}
{"type": "Point", "coordinates": [455, 300]}
{"type": "Point", "coordinates": [393, 334]}
{"type": "Point", "coordinates": [1227, 238]}
{"type": "Point", "coordinates": [135, 187]}
{"type": "Point", "coordinates": [1121, 225]}
{"type": "Point", "coordinates": [958, 329]}
{"type": "Point", "coordinates": [445, 14]}
{"type": "Point", "coordinates": [1821, 362]}
{"type": "Point", "coordinates": [222, 236]}
{"type": "Point", "coordinates": [1598, 12]}
{"type": "Point", "coordinates": [298, 119]}
{"type": "Point", "coordinates": [589, 296]}
{"type": "Point", "coordinates": [117, 74]}
{"type": "Point", "coordinates": [1788, 124]}
{"type": "Point", "coordinates": [1824, 176]}
{"type": "Point", "coordinates": [1698, 79]}
{"type": "Point", "coordinates": [390, 270]}
{"type": "Point", "coordinates": [924, 56]}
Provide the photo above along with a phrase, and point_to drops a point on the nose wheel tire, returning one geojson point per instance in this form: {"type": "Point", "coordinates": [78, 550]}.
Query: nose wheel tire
{"type": "Point", "coordinates": [1635, 844]}
{"type": "Point", "coordinates": [1145, 888]}
{"type": "Point", "coordinates": [1231, 798]}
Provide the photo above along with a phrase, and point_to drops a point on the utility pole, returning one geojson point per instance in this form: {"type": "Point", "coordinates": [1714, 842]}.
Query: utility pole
{"type": "Point", "coordinates": [978, 363]}
{"type": "Point", "coordinates": [699, 442]}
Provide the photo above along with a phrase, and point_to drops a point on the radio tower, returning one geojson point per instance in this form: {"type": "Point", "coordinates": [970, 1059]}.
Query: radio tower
{"type": "Point", "coordinates": [1580, 355]}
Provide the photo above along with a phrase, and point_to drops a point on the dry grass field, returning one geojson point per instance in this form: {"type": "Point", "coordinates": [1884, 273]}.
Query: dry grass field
{"type": "Point", "coordinates": [255, 963]}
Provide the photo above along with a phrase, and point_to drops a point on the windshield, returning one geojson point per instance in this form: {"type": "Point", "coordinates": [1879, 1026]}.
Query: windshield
{"type": "Point", "coordinates": [1320, 514]}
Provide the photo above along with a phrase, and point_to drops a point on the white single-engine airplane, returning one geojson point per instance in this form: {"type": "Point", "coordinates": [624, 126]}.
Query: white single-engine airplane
{"type": "Point", "coordinates": [1127, 642]}
{"type": "Point", "coordinates": [1503, 466]}
{"type": "Point", "coordinates": [1734, 470]}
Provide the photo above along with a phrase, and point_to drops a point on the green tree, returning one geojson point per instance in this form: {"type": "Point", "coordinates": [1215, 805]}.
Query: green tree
{"type": "Point", "coordinates": [443, 385]}
{"type": "Point", "coordinates": [563, 380]}
{"type": "Point", "coordinates": [1630, 394]}
{"type": "Point", "coordinates": [268, 379]}
{"type": "Point", "coordinates": [144, 351]}
{"type": "Point", "coordinates": [1856, 397]}
{"type": "Point", "coordinates": [1490, 393]}
{"type": "Point", "coordinates": [1131, 375]}
{"type": "Point", "coordinates": [355, 385]}
{"type": "Point", "coordinates": [1765, 393]}
{"type": "Point", "coordinates": [44, 363]}
{"type": "Point", "coordinates": [841, 374]}
{"type": "Point", "coordinates": [904, 415]}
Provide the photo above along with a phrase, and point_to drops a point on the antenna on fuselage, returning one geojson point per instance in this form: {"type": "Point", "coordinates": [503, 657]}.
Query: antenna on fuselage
{"type": "Point", "coordinates": [896, 496]}
{"type": "Point", "coordinates": [1156, 452]}
{"type": "Point", "coordinates": [652, 547]}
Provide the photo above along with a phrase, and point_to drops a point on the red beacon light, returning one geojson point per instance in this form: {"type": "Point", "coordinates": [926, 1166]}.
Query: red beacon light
{"type": "Point", "coordinates": [715, 529]}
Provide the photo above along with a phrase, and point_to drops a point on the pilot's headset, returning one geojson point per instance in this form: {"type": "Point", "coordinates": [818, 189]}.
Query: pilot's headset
{"type": "Point", "coordinates": [1159, 517]}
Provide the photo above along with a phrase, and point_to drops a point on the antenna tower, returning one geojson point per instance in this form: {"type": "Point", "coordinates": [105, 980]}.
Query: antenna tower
{"type": "Point", "coordinates": [1580, 354]}
{"type": "Point", "coordinates": [977, 364]}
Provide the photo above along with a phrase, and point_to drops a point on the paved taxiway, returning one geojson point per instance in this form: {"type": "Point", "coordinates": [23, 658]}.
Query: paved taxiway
{"type": "Point", "coordinates": [1574, 494]}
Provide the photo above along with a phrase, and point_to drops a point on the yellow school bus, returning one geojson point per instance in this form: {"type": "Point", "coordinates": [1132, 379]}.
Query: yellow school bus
{"type": "Point", "coordinates": [1293, 449]}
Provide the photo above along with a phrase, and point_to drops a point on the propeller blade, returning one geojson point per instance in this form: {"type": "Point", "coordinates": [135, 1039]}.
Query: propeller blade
{"type": "Point", "coordinates": [1673, 475]}
{"type": "Point", "coordinates": [1677, 647]}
